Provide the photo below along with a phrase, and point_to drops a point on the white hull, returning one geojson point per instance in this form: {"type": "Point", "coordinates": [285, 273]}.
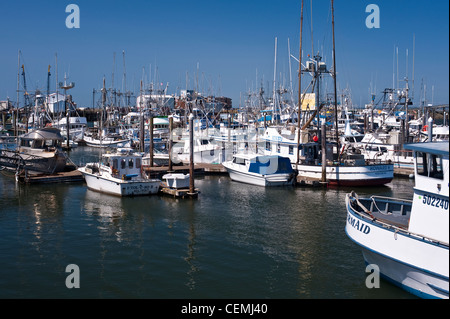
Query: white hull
{"type": "Point", "coordinates": [350, 175]}
{"type": "Point", "coordinates": [260, 180]}
{"type": "Point", "coordinates": [106, 142]}
{"type": "Point", "coordinates": [158, 160]}
{"type": "Point", "coordinates": [209, 156]}
{"type": "Point", "coordinates": [414, 263]}
{"type": "Point", "coordinates": [115, 186]}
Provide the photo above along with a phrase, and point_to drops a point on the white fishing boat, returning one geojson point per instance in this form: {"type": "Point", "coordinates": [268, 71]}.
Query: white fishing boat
{"type": "Point", "coordinates": [386, 147]}
{"type": "Point", "coordinates": [206, 150]}
{"type": "Point", "coordinates": [77, 127]}
{"type": "Point", "coordinates": [347, 168]}
{"type": "Point", "coordinates": [261, 170]}
{"type": "Point", "coordinates": [159, 159]}
{"type": "Point", "coordinates": [104, 138]}
{"type": "Point", "coordinates": [119, 173]}
{"type": "Point", "coordinates": [409, 240]}
{"type": "Point", "coordinates": [38, 151]}
{"type": "Point", "coordinates": [351, 171]}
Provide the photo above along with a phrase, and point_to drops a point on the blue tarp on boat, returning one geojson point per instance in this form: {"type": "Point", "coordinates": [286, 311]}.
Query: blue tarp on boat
{"type": "Point", "coordinates": [271, 164]}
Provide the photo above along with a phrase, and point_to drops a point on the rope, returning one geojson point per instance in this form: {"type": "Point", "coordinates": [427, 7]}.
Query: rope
{"type": "Point", "coordinates": [368, 212]}
{"type": "Point", "coordinates": [375, 203]}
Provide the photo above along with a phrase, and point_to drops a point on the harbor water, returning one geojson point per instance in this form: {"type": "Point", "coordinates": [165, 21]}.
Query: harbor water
{"type": "Point", "coordinates": [234, 241]}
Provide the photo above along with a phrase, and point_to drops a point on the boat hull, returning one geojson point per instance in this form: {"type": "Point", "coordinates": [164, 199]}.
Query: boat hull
{"type": "Point", "coordinates": [260, 180]}
{"type": "Point", "coordinates": [105, 142]}
{"type": "Point", "coordinates": [35, 163]}
{"type": "Point", "coordinates": [368, 175]}
{"type": "Point", "coordinates": [417, 265]}
{"type": "Point", "coordinates": [119, 187]}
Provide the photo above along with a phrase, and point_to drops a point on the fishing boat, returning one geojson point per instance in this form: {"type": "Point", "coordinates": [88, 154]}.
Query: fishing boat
{"type": "Point", "coordinates": [77, 127]}
{"type": "Point", "coordinates": [38, 151]}
{"type": "Point", "coordinates": [105, 138]}
{"type": "Point", "coordinates": [119, 173]}
{"type": "Point", "coordinates": [346, 167]}
{"type": "Point", "coordinates": [260, 170]}
{"type": "Point", "coordinates": [206, 150]}
{"type": "Point", "coordinates": [409, 239]}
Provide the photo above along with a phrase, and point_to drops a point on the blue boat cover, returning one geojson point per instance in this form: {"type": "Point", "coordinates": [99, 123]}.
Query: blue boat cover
{"type": "Point", "coordinates": [271, 164]}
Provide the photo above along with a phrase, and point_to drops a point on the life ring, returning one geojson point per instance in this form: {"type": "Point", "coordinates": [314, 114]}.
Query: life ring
{"type": "Point", "coordinates": [425, 128]}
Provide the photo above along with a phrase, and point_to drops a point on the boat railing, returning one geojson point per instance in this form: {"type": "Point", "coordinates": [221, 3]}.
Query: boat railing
{"type": "Point", "coordinates": [377, 161]}
{"type": "Point", "coordinates": [392, 211]}
{"type": "Point", "coordinates": [365, 208]}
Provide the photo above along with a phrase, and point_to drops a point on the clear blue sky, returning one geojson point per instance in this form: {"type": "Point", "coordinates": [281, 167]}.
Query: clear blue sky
{"type": "Point", "coordinates": [231, 42]}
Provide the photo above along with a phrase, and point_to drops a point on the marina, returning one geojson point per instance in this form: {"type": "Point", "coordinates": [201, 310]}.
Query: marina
{"type": "Point", "coordinates": [234, 241]}
{"type": "Point", "coordinates": [294, 190]}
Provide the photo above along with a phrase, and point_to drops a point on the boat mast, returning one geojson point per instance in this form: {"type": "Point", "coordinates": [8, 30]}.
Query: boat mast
{"type": "Point", "coordinates": [274, 98]}
{"type": "Point", "coordinates": [299, 86]}
{"type": "Point", "coordinates": [16, 117]}
{"type": "Point", "coordinates": [334, 78]}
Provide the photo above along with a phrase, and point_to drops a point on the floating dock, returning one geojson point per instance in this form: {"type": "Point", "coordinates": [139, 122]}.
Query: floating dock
{"type": "Point", "coordinates": [61, 177]}
{"type": "Point", "coordinates": [179, 192]}
{"type": "Point", "coordinates": [199, 169]}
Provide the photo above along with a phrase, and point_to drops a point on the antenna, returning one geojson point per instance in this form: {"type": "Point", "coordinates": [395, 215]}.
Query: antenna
{"type": "Point", "coordinates": [290, 74]}
{"type": "Point", "coordinates": [124, 81]}
{"type": "Point", "coordinates": [397, 68]}
{"type": "Point", "coordinates": [113, 70]}
{"type": "Point", "coordinates": [312, 41]}
{"type": "Point", "coordinates": [414, 45]}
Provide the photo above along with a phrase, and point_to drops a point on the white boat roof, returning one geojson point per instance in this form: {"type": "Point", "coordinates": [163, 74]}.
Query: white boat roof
{"type": "Point", "coordinates": [439, 148]}
{"type": "Point", "coordinates": [47, 133]}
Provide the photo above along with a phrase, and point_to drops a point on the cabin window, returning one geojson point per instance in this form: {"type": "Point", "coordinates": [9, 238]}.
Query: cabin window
{"type": "Point", "coordinates": [49, 143]}
{"type": "Point", "coordinates": [278, 147]}
{"type": "Point", "coordinates": [429, 165]}
{"type": "Point", "coordinates": [130, 163]}
{"type": "Point", "coordinates": [267, 146]}
{"type": "Point", "coordinates": [123, 163]}
{"type": "Point", "coordinates": [138, 163]}
{"type": "Point", "coordinates": [38, 143]}
{"type": "Point", "coordinates": [291, 150]}
{"type": "Point", "coordinates": [115, 163]}
{"type": "Point", "coordinates": [238, 160]}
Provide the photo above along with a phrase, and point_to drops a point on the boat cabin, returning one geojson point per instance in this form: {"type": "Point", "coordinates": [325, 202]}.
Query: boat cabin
{"type": "Point", "coordinates": [431, 191]}
{"type": "Point", "coordinates": [46, 139]}
{"type": "Point", "coordinates": [125, 165]}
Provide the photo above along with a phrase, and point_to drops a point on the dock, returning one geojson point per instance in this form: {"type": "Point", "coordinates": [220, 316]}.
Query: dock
{"type": "Point", "coordinates": [179, 192]}
{"type": "Point", "coordinates": [61, 177]}
{"type": "Point", "coordinates": [307, 181]}
{"type": "Point", "coordinates": [199, 169]}
{"type": "Point", "coordinates": [404, 172]}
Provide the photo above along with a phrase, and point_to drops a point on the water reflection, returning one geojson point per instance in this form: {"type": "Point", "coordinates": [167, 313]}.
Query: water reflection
{"type": "Point", "coordinates": [234, 241]}
{"type": "Point", "coordinates": [108, 210]}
